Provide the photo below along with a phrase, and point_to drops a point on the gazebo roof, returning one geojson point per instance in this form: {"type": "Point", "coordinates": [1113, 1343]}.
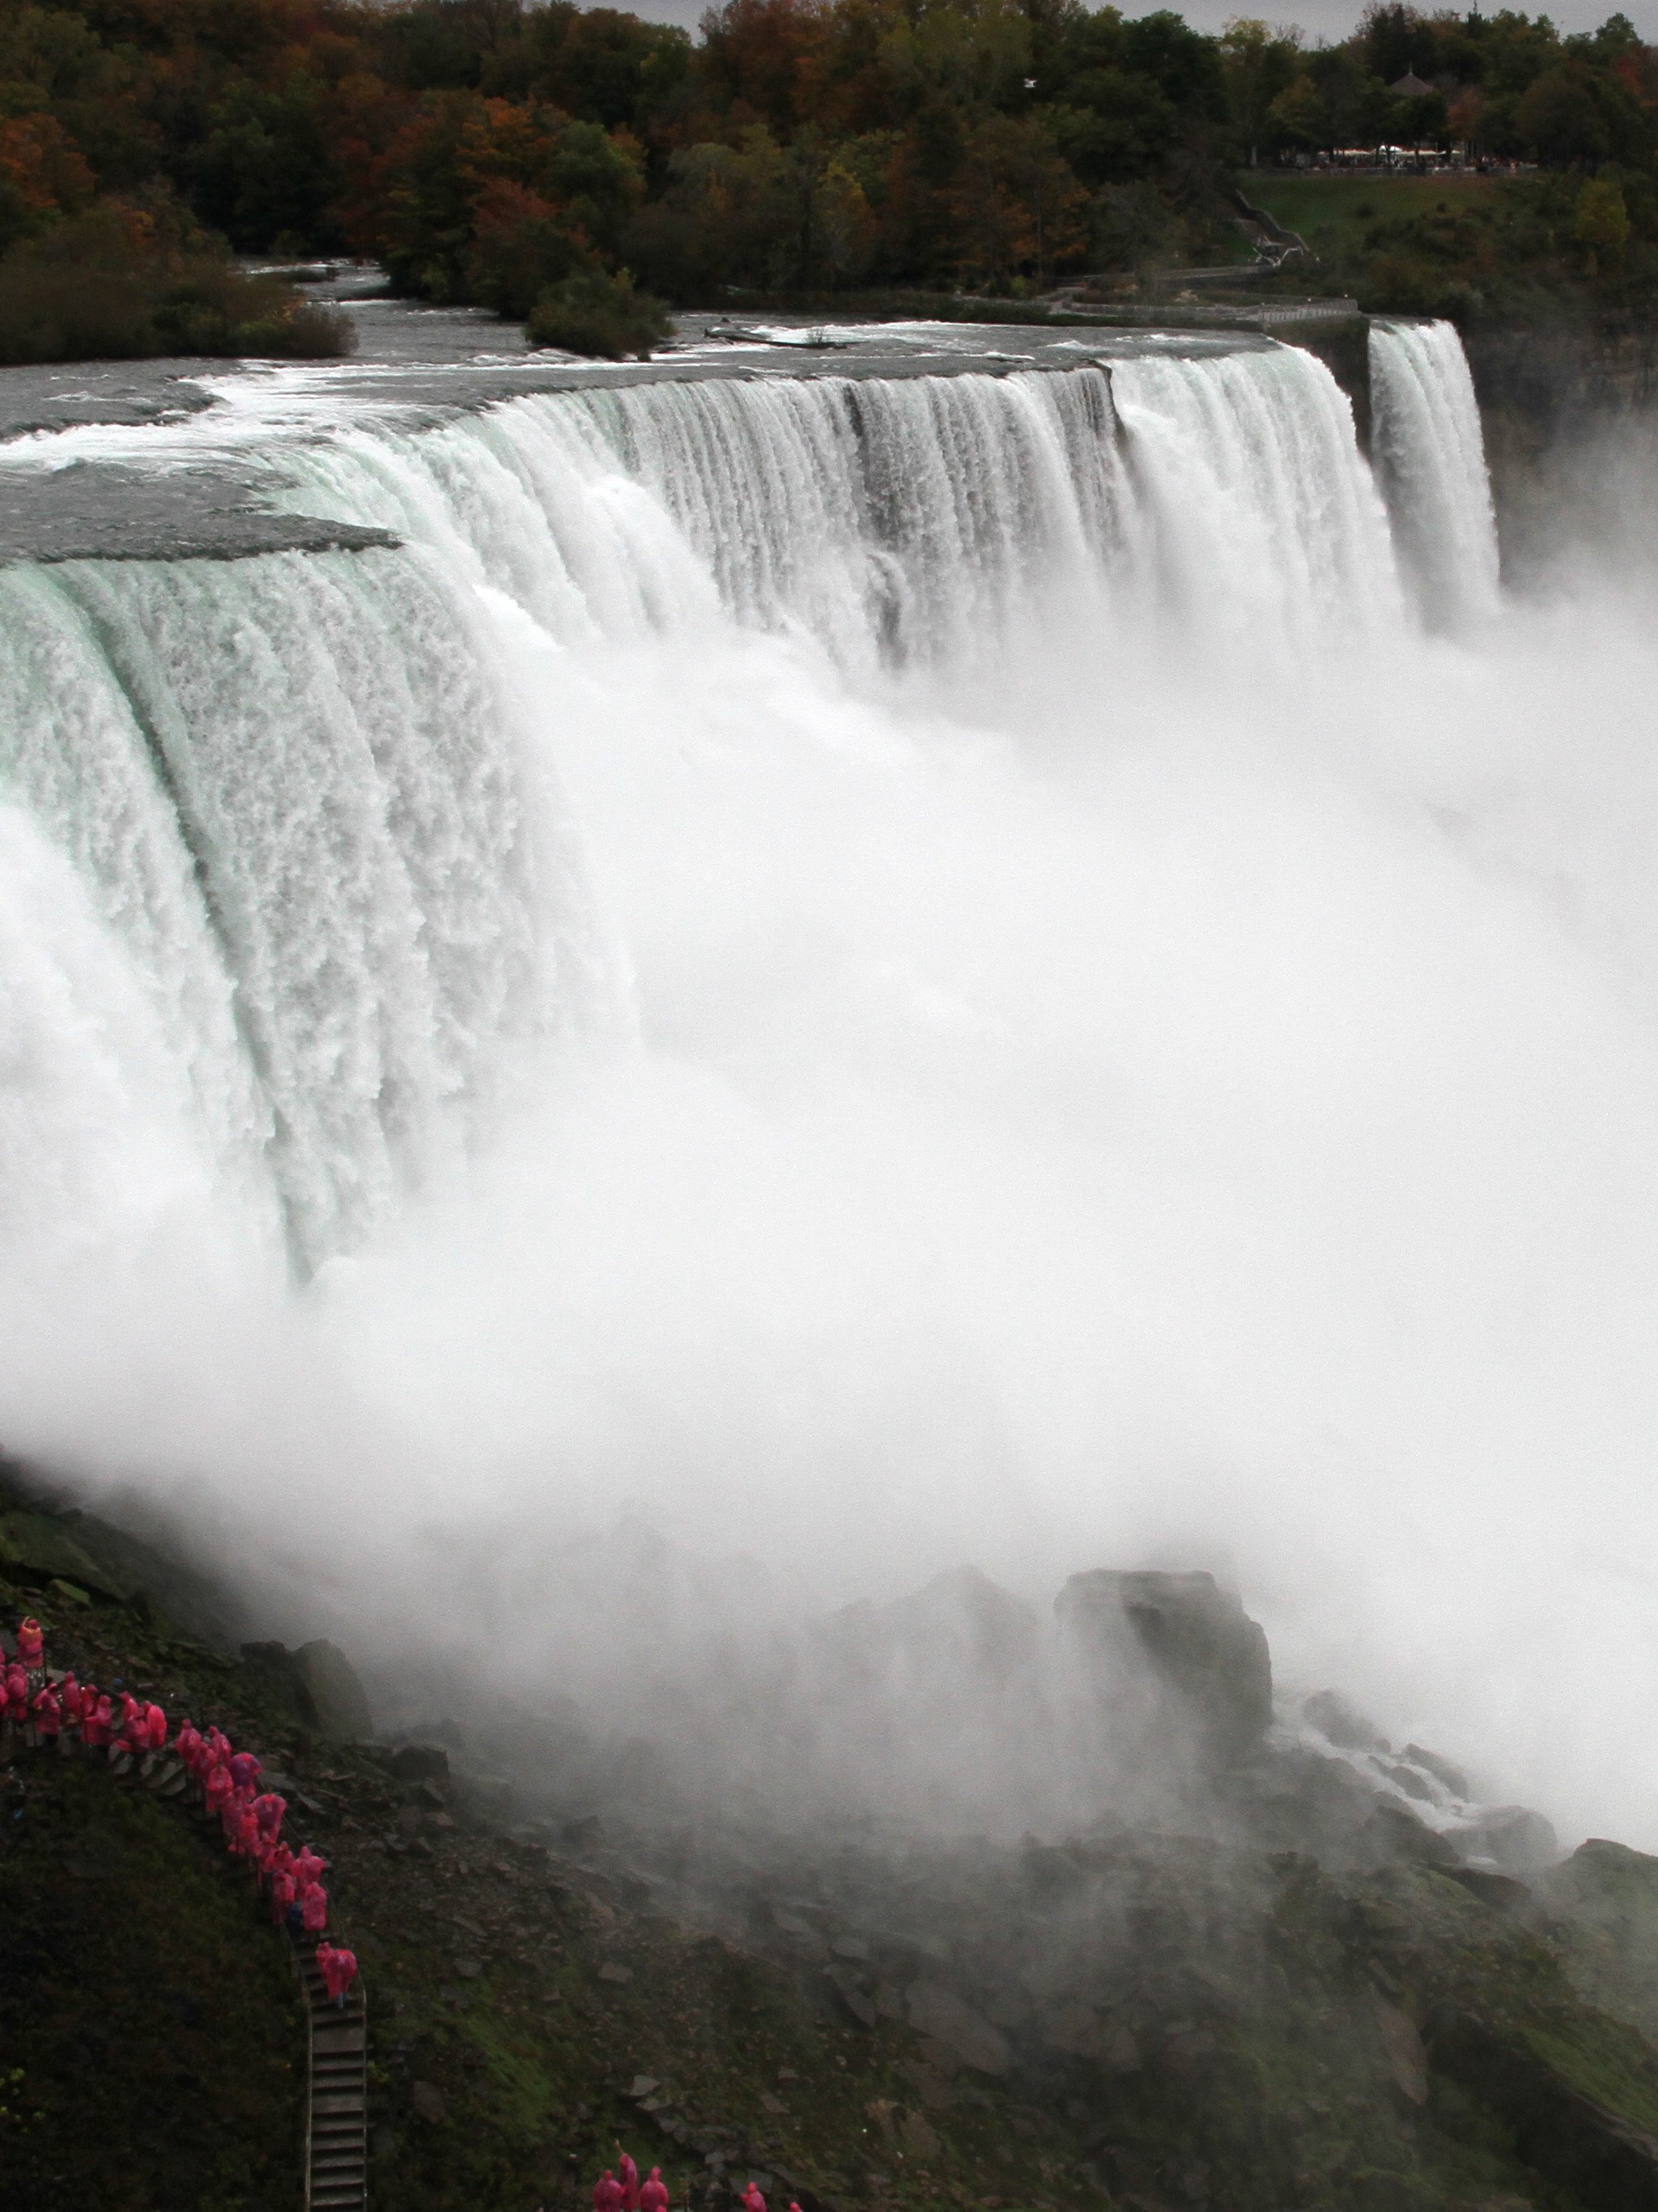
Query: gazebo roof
{"type": "Point", "coordinates": [1410, 85]}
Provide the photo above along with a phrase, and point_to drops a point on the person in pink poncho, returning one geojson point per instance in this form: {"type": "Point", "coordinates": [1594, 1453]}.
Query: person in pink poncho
{"type": "Point", "coordinates": [69, 1697]}
{"type": "Point", "coordinates": [48, 1715]}
{"type": "Point", "coordinates": [313, 1908]}
{"type": "Point", "coordinates": [17, 1695]}
{"type": "Point", "coordinates": [245, 1769]}
{"type": "Point", "coordinates": [338, 1969]}
{"type": "Point", "coordinates": [281, 1893]}
{"type": "Point", "coordinates": [155, 1729]}
{"type": "Point", "coordinates": [218, 1789]}
{"type": "Point", "coordinates": [267, 1812]}
{"type": "Point", "coordinates": [97, 1721]}
{"type": "Point", "coordinates": [607, 2193]}
{"type": "Point", "coordinates": [752, 2199]}
{"type": "Point", "coordinates": [188, 1745]}
{"type": "Point", "coordinates": [628, 2174]}
{"type": "Point", "coordinates": [245, 1841]}
{"type": "Point", "coordinates": [31, 1645]}
{"type": "Point", "coordinates": [307, 1867]}
{"type": "Point", "coordinates": [653, 2193]}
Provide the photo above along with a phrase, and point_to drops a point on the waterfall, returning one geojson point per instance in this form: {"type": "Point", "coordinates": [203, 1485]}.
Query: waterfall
{"type": "Point", "coordinates": [1431, 454]}
{"type": "Point", "coordinates": [305, 801]}
{"type": "Point", "coordinates": [294, 794]}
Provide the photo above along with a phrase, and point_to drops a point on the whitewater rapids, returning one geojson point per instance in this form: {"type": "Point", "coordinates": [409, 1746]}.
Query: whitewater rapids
{"type": "Point", "coordinates": [1026, 966]}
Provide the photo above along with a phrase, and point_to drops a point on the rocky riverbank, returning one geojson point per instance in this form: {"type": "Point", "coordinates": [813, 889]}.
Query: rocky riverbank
{"type": "Point", "coordinates": [1322, 1976]}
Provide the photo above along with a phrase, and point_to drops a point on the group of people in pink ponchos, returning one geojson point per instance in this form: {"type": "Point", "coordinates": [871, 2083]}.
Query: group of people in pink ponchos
{"type": "Point", "coordinates": [622, 2190]}
{"type": "Point", "coordinates": [56, 1709]}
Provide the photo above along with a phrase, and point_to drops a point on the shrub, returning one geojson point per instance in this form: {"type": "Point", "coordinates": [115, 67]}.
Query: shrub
{"type": "Point", "coordinates": [603, 317]}
{"type": "Point", "coordinates": [99, 286]}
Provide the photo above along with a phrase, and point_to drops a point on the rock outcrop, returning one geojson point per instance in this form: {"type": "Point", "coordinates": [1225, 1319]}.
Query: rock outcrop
{"type": "Point", "coordinates": [1202, 1648]}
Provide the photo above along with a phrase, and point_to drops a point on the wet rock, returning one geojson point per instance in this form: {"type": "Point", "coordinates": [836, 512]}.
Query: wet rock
{"type": "Point", "coordinates": [1520, 1840]}
{"type": "Point", "coordinates": [1396, 1832]}
{"type": "Point", "coordinates": [1204, 1649]}
{"type": "Point", "coordinates": [36, 1548]}
{"type": "Point", "coordinates": [420, 1762]}
{"type": "Point", "coordinates": [1343, 1724]}
{"type": "Point", "coordinates": [1403, 2049]}
{"type": "Point", "coordinates": [853, 1995]}
{"type": "Point", "coordinates": [940, 2014]}
{"type": "Point", "coordinates": [1453, 1778]}
{"type": "Point", "coordinates": [338, 1701]}
{"type": "Point", "coordinates": [1597, 2157]}
{"type": "Point", "coordinates": [919, 2139]}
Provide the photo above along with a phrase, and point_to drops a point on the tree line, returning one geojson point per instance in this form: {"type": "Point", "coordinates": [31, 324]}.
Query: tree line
{"type": "Point", "coordinates": [491, 150]}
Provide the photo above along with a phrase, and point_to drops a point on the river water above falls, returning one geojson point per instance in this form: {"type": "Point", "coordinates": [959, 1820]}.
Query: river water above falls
{"type": "Point", "coordinates": [958, 946]}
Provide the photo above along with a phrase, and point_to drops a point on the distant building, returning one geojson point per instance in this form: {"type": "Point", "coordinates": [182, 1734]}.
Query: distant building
{"type": "Point", "coordinates": [1410, 85]}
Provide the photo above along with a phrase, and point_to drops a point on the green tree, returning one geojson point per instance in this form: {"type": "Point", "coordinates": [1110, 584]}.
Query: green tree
{"type": "Point", "coordinates": [1600, 224]}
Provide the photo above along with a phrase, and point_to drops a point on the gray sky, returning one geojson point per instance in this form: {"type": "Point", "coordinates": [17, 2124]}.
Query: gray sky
{"type": "Point", "coordinates": [1326, 19]}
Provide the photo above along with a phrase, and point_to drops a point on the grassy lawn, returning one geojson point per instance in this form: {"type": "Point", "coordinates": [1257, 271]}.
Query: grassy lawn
{"type": "Point", "coordinates": [1332, 213]}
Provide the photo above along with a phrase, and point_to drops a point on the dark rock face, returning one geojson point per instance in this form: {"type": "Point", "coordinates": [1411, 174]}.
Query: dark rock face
{"type": "Point", "coordinates": [1204, 1649]}
{"type": "Point", "coordinates": [329, 1682]}
{"type": "Point", "coordinates": [420, 1762]}
{"type": "Point", "coordinates": [322, 1686]}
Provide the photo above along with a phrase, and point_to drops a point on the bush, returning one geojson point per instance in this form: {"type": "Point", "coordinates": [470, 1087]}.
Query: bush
{"type": "Point", "coordinates": [600, 316]}
{"type": "Point", "coordinates": [98, 287]}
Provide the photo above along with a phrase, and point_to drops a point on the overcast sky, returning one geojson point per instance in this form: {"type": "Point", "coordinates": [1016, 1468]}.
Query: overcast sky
{"type": "Point", "coordinates": [1326, 19]}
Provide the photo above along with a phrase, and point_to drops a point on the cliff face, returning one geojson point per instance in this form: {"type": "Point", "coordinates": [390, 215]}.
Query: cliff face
{"type": "Point", "coordinates": [1320, 1978]}
{"type": "Point", "coordinates": [1546, 393]}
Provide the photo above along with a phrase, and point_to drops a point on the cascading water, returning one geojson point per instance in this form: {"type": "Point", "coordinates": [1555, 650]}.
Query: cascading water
{"type": "Point", "coordinates": [1430, 453]}
{"type": "Point", "coordinates": [298, 795]}
{"type": "Point", "coordinates": [921, 966]}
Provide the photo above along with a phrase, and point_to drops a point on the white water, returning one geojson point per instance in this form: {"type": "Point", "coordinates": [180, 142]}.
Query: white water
{"type": "Point", "coordinates": [1430, 451]}
{"type": "Point", "coordinates": [890, 971]}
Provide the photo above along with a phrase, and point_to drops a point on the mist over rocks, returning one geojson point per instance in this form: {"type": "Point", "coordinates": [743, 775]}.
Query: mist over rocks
{"type": "Point", "coordinates": [1279, 1971]}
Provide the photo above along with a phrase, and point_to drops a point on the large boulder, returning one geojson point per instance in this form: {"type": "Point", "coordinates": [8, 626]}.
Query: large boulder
{"type": "Point", "coordinates": [322, 1684]}
{"type": "Point", "coordinates": [329, 1682]}
{"type": "Point", "coordinates": [1203, 1650]}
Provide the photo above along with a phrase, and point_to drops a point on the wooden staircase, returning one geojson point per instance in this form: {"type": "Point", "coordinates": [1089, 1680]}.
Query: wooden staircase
{"type": "Point", "coordinates": [336, 2112]}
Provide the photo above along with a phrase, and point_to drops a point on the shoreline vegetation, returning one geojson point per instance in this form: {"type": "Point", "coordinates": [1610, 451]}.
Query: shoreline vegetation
{"type": "Point", "coordinates": [579, 171]}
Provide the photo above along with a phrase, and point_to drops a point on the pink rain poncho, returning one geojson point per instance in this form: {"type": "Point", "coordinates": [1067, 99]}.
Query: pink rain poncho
{"type": "Point", "coordinates": [220, 1789]}
{"type": "Point", "coordinates": [68, 1696]}
{"type": "Point", "coordinates": [628, 2174]}
{"type": "Point", "coordinates": [97, 1721]}
{"type": "Point", "coordinates": [313, 1908]}
{"type": "Point", "coordinates": [267, 1812]}
{"type": "Point", "coordinates": [189, 1747]}
{"type": "Point", "coordinates": [607, 2193]}
{"type": "Point", "coordinates": [48, 1715]}
{"type": "Point", "coordinates": [155, 1727]}
{"type": "Point", "coordinates": [307, 1866]}
{"type": "Point", "coordinates": [653, 2194]}
{"type": "Point", "coordinates": [31, 1645]}
{"type": "Point", "coordinates": [244, 1769]}
{"type": "Point", "coordinates": [17, 1695]}
{"type": "Point", "coordinates": [281, 1893]}
{"type": "Point", "coordinates": [338, 1969]}
{"type": "Point", "coordinates": [752, 2199]}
